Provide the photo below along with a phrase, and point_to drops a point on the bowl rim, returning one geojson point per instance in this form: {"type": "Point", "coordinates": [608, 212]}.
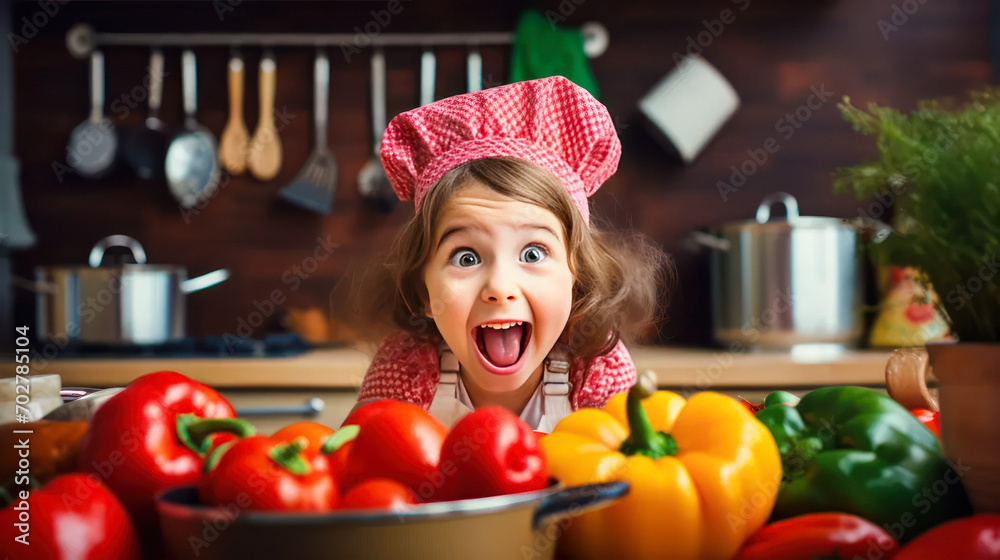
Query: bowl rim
{"type": "Point", "coordinates": [176, 503]}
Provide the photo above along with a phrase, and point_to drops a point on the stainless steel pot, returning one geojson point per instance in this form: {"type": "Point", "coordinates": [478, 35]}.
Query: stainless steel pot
{"type": "Point", "coordinates": [495, 528]}
{"type": "Point", "coordinates": [122, 304]}
{"type": "Point", "coordinates": [785, 282]}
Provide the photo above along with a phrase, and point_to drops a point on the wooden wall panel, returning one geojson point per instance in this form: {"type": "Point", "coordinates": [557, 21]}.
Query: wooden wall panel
{"type": "Point", "coordinates": [774, 53]}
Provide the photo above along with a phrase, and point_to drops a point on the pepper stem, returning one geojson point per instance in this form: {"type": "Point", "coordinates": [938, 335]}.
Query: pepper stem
{"type": "Point", "coordinates": [642, 438]}
{"type": "Point", "coordinates": [195, 432]}
{"type": "Point", "coordinates": [339, 438]}
{"type": "Point", "coordinates": [8, 495]}
{"type": "Point", "coordinates": [289, 456]}
{"type": "Point", "coordinates": [215, 456]}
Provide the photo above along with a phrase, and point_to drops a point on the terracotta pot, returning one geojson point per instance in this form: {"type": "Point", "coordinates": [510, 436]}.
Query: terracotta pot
{"type": "Point", "coordinates": [968, 376]}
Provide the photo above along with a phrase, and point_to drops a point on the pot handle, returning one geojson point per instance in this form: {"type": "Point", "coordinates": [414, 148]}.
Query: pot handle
{"type": "Point", "coordinates": [791, 207]}
{"type": "Point", "coordinates": [205, 281]}
{"type": "Point", "coordinates": [571, 502]}
{"type": "Point", "coordinates": [871, 229]}
{"type": "Point", "coordinates": [97, 253]}
{"type": "Point", "coordinates": [37, 287]}
{"type": "Point", "coordinates": [710, 241]}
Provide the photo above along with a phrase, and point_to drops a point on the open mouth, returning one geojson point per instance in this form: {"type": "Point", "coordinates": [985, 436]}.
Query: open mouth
{"type": "Point", "coordinates": [501, 346]}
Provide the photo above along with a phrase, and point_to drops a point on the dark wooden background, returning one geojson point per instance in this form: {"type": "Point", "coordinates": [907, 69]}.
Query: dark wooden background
{"type": "Point", "coordinates": [773, 53]}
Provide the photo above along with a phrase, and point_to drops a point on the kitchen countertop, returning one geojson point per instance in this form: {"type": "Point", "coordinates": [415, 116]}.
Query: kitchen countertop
{"type": "Point", "coordinates": [343, 368]}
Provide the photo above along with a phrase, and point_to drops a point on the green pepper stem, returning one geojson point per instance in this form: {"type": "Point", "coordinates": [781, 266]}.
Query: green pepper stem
{"type": "Point", "coordinates": [195, 432]}
{"type": "Point", "coordinates": [7, 497]}
{"type": "Point", "coordinates": [215, 456]}
{"type": "Point", "coordinates": [339, 438]}
{"type": "Point", "coordinates": [289, 456]}
{"type": "Point", "coordinates": [642, 438]}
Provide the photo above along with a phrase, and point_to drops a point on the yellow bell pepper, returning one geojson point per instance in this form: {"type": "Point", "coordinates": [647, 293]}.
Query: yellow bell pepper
{"type": "Point", "coordinates": [703, 474]}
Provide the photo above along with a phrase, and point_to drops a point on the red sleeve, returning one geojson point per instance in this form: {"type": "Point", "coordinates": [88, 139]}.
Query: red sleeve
{"type": "Point", "coordinates": [404, 369]}
{"type": "Point", "coordinates": [604, 377]}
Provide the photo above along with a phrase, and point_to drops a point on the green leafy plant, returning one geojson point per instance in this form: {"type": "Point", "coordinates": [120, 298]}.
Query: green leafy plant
{"type": "Point", "coordinates": [939, 170]}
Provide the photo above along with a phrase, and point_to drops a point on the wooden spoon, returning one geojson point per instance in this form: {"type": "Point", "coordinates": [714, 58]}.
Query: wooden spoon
{"type": "Point", "coordinates": [264, 157]}
{"type": "Point", "coordinates": [235, 139]}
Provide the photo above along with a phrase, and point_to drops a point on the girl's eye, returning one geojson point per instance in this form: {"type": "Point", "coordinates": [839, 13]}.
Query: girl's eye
{"type": "Point", "coordinates": [464, 258]}
{"type": "Point", "coordinates": [533, 254]}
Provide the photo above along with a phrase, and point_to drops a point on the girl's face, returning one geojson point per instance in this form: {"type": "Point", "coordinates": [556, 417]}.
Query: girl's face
{"type": "Point", "coordinates": [499, 285]}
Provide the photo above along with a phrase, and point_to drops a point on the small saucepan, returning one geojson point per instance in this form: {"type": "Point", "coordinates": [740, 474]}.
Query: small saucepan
{"type": "Point", "coordinates": [115, 304]}
{"type": "Point", "coordinates": [524, 525]}
{"type": "Point", "coordinates": [147, 144]}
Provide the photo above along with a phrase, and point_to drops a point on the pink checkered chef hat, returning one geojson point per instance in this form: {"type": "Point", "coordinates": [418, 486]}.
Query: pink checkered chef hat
{"type": "Point", "coordinates": [550, 122]}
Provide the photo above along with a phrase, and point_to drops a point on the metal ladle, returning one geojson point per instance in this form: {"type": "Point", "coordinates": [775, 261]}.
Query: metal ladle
{"type": "Point", "coordinates": [93, 144]}
{"type": "Point", "coordinates": [373, 184]}
{"type": "Point", "coordinates": [192, 167]}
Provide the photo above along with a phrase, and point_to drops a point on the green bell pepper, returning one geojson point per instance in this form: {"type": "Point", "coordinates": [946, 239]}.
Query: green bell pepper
{"type": "Point", "coordinates": [780, 397]}
{"type": "Point", "coordinates": [854, 450]}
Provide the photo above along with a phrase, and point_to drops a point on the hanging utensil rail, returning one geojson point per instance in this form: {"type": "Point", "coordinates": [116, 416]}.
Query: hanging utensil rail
{"type": "Point", "coordinates": [82, 39]}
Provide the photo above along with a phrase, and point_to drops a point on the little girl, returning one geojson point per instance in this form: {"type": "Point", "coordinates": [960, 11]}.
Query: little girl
{"type": "Point", "coordinates": [504, 294]}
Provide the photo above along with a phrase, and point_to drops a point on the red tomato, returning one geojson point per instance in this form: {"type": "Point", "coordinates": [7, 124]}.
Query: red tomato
{"type": "Point", "coordinates": [361, 415]}
{"type": "Point", "coordinates": [401, 442]}
{"type": "Point", "coordinates": [379, 493]}
{"type": "Point", "coordinates": [269, 475]}
{"type": "Point", "coordinates": [314, 432]}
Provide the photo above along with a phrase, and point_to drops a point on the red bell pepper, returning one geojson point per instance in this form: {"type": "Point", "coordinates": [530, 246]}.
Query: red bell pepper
{"type": "Point", "coordinates": [73, 517]}
{"type": "Point", "coordinates": [402, 442]}
{"type": "Point", "coordinates": [819, 535]}
{"type": "Point", "coordinates": [154, 435]}
{"type": "Point", "coordinates": [261, 473]}
{"type": "Point", "coordinates": [772, 398]}
{"type": "Point", "coordinates": [490, 452]}
{"type": "Point", "coordinates": [976, 537]}
{"type": "Point", "coordinates": [930, 419]}
{"type": "Point", "coordinates": [379, 493]}
{"type": "Point", "coordinates": [752, 407]}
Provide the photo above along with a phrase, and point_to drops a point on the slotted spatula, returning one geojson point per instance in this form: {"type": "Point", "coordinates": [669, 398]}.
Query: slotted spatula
{"type": "Point", "coordinates": [314, 187]}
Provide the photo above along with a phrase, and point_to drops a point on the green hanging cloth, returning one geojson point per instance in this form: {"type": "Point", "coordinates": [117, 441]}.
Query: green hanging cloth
{"type": "Point", "coordinates": [541, 50]}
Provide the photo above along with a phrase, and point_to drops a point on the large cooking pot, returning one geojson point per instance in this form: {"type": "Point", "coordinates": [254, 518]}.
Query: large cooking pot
{"type": "Point", "coordinates": [497, 528]}
{"type": "Point", "coordinates": [778, 283]}
{"type": "Point", "coordinates": [116, 304]}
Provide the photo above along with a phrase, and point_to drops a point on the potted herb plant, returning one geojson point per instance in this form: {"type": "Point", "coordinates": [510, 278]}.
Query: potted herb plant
{"type": "Point", "coordinates": [939, 170]}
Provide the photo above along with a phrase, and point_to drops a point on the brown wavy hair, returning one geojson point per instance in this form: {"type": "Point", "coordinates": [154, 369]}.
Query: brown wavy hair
{"type": "Point", "coordinates": [618, 276]}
